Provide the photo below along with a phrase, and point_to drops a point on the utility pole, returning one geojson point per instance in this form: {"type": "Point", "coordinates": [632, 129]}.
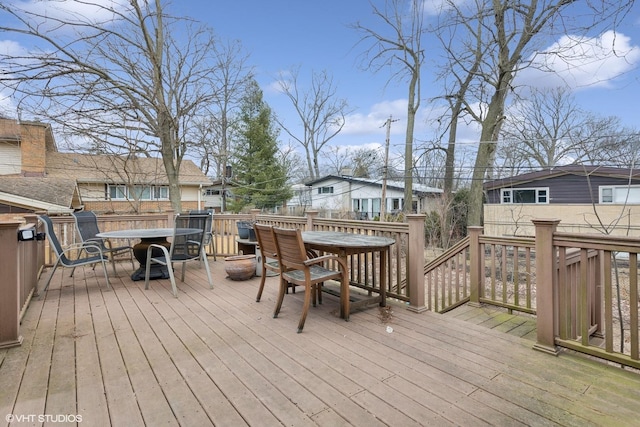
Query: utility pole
{"type": "Point", "coordinates": [385, 169]}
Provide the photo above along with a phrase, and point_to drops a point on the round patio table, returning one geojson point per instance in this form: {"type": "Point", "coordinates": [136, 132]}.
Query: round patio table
{"type": "Point", "coordinates": [147, 237]}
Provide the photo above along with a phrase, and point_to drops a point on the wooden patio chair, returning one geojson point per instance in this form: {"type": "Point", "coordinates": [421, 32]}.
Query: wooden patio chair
{"type": "Point", "coordinates": [298, 268]}
{"type": "Point", "coordinates": [269, 258]}
{"type": "Point", "coordinates": [87, 226]}
{"type": "Point", "coordinates": [93, 251]}
{"type": "Point", "coordinates": [187, 244]}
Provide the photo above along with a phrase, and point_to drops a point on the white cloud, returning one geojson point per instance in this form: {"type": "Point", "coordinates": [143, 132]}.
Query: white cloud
{"type": "Point", "coordinates": [437, 7]}
{"type": "Point", "coordinates": [49, 12]}
{"type": "Point", "coordinates": [374, 120]}
{"type": "Point", "coordinates": [11, 48]}
{"type": "Point", "coordinates": [579, 62]}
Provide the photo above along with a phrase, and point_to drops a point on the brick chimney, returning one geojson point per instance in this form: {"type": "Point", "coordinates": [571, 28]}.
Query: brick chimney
{"type": "Point", "coordinates": [34, 140]}
{"type": "Point", "coordinates": [33, 147]}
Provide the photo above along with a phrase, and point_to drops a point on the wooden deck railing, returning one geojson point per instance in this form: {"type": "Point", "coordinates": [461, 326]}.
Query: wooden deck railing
{"type": "Point", "coordinates": [583, 288]}
{"type": "Point", "coordinates": [20, 262]}
{"type": "Point", "coordinates": [483, 269]}
{"type": "Point", "coordinates": [447, 278]}
{"type": "Point", "coordinates": [593, 302]}
{"type": "Point", "coordinates": [363, 268]}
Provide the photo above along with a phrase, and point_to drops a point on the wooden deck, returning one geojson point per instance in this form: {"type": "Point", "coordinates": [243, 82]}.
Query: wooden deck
{"type": "Point", "coordinates": [131, 357]}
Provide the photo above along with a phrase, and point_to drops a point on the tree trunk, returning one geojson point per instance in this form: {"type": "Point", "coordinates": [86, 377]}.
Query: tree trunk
{"type": "Point", "coordinates": [412, 108]}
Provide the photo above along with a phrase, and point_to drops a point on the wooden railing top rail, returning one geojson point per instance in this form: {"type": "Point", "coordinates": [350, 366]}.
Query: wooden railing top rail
{"type": "Point", "coordinates": [597, 241]}
{"type": "Point", "coordinates": [523, 242]}
{"type": "Point", "coordinates": [391, 227]}
{"type": "Point", "coordinates": [281, 219]}
{"type": "Point", "coordinates": [447, 255]}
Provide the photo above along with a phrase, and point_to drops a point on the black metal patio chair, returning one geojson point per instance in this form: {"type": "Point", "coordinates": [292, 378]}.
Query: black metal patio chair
{"type": "Point", "coordinates": [187, 244]}
{"type": "Point", "coordinates": [87, 226]}
{"type": "Point", "coordinates": [93, 252]}
{"type": "Point", "coordinates": [209, 238]}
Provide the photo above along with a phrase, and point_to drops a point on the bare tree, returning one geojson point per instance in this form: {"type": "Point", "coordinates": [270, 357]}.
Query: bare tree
{"type": "Point", "coordinates": [549, 129]}
{"type": "Point", "coordinates": [367, 163]}
{"type": "Point", "coordinates": [401, 51]}
{"type": "Point", "coordinates": [119, 69]}
{"type": "Point", "coordinates": [336, 160]}
{"type": "Point", "coordinates": [510, 32]}
{"type": "Point", "coordinates": [231, 75]}
{"type": "Point", "coordinates": [320, 112]}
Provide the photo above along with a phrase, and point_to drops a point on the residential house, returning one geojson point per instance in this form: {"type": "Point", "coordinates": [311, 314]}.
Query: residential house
{"type": "Point", "coordinates": [587, 199]}
{"type": "Point", "coordinates": [362, 198]}
{"type": "Point", "coordinates": [301, 200]}
{"type": "Point", "coordinates": [35, 176]}
{"type": "Point", "coordinates": [212, 196]}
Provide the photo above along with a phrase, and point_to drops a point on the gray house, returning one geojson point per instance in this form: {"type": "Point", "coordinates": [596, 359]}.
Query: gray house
{"type": "Point", "coordinates": [594, 199]}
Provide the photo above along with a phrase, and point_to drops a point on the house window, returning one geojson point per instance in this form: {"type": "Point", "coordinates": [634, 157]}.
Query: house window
{"type": "Point", "coordinates": [629, 194]}
{"type": "Point", "coordinates": [211, 192]}
{"type": "Point", "coordinates": [140, 192]}
{"type": "Point", "coordinates": [525, 195]}
{"type": "Point", "coordinates": [117, 192]}
{"type": "Point", "coordinates": [361, 205]}
{"type": "Point", "coordinates": [161, 193]}
{"type": "Point", "coordinates": [325, 190]}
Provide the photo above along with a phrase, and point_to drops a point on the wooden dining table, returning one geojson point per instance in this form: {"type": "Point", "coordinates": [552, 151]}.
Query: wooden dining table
{"type": "Point", "coordinates": [345, 244]}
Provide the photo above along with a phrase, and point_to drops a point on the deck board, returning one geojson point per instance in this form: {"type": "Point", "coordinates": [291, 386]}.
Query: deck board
{"type": "Point", "coordinates": [136, 357]}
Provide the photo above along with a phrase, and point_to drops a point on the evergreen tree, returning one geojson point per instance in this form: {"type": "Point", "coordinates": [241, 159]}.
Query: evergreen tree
{"type": "Point", "coordinates": [259, 173]}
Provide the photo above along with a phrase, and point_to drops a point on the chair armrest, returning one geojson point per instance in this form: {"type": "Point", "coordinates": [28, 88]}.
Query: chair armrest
{"type": "Point", "coordinates": [165, 252]}
{"type": "Point", "coordinates": [321, 259]}
{"type": "Point", "coordinates": [83, 245]}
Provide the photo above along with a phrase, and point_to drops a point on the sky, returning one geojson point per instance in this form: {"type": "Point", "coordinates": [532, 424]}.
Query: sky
{"type": "Point", "coordinates": [315, 35]}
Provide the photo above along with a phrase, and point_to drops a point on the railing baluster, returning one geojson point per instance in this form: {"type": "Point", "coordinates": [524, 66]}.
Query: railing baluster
{"type": "Point", "coordinates": [633, 303]}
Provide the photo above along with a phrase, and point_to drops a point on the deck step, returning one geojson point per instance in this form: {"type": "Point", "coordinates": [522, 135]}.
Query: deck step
{"type": "Point", "coordinates": [519, 324]}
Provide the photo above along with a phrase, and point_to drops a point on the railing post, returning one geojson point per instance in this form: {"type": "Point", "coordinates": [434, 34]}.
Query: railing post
{"type": "Point", "coordinates": [311, 216]}
{"type": "Point", "coordinates": [546, 285]}
{"type": "Point", "coordinates": [474, 265]}
{"type": "Point", "coordinates": [254, 214]}
{"type": "Point", "coordinates": [29, 266]}
{"type": "Point", "coordinates": [415, 266]}
{"type": "Point", "coordinates": [171, 218]}
{"type": "Point", "coordinates": [9, 286]}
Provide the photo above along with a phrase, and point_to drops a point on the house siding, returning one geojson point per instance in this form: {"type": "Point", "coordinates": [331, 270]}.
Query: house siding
{"type": "Point", "coordinates": [566, 189]}
{"type": "Point", "coordinates": [11, 158]}
{"type": "Point", "coordinates": [515, 219]}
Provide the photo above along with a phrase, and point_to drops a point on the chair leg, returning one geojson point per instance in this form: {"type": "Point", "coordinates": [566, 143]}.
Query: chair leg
{"type": "Point", "coordinates": [262, 280]}
{"type": "Point", "coordinates": [147, 270]}
{"type": "Point", "coordinates": [173, 280]}
{"type": "Point", "coordinates": [206, 267]}
{"type": "Point", "coordinates": [283, 285]}
{"type": "Point", "coordinates": [106, 276]}
{"type": "Point", "coordinates": [113, 264]}
{"type": "Point", "coordinates": [308, 289]}
{"type": "Point", "coordinates": [53, 270]}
